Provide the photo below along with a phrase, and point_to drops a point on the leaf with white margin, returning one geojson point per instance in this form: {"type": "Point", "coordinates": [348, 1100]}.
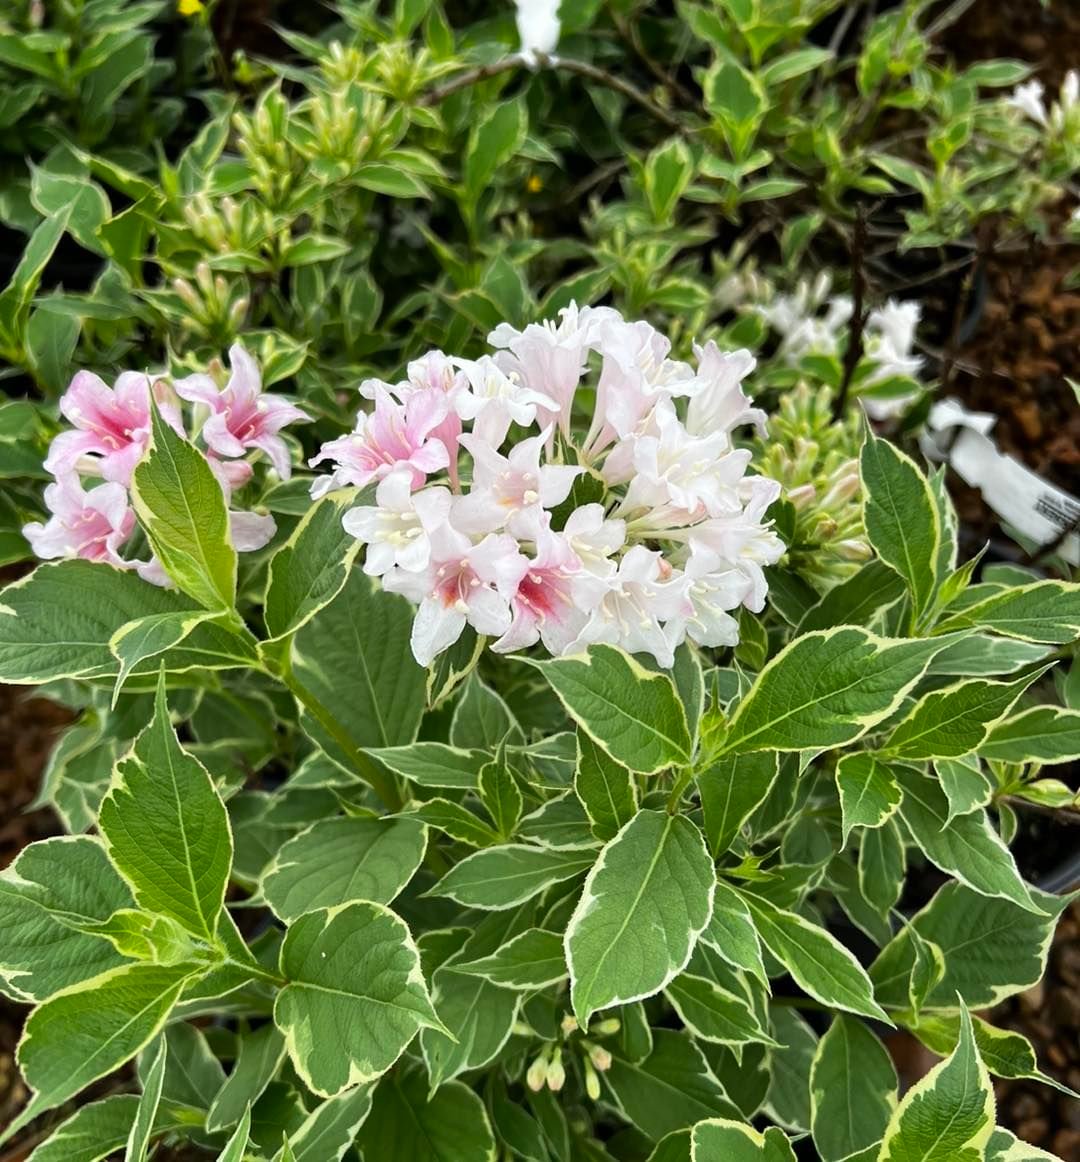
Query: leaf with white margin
{"type": "Point", "coordinates": [1043, 734]}
{"type": "Point", "coordinates": [433, 764]}
{"type": "Point", "coordinates": [260, 1054]}
{"type": "Point", "coordinates": [1006, 1147]}
{"type": "Point", "coordinates": [852, 1089]}
{"type": "Point", "coordinates": [636, 715]}
{"type": "Point", "coordinates": [953, 721]}
{"type": "Point", "coordinates": [89, 1030]}
{"type": "Point", "coordinates": [503, 877]}
{"type": "Point", "coordinates": [731, 789]}
{"type": "Point", "coordinates": [166, 828]}
{"type": "Point", "coordinates": [50, 891]}
{"type": "Point", "coordinates": [338, 860]}
{"type": "Point", "coordinates": [146, 637]}
{"type": "Point", "coordinates": [731, 932]}
{"type": "Point", "coordinates": [236, 1146]}
{"type": "Point", "coordinates": [902, 521]}
{"type": "Point", "coordinates": [868, 792]}
{"type": "Point", "coordinates": [97, 1130]}
{"type": "Point", "coordinates": [645, 902]}
{"type": "Point", "coordinates": [817, 961]}
{"type": "Point", "coordinates": [992, 948]}
{"type": "Point", "coordinates": [531, 960]}
{"type": "Point", "coordinates": [1046, 611]}
{"type": "Point", "coordinates": [949, 1115]}
{"type": "Point", "coordinates": [605, 788]}
{"type": "Point", "coordinates": [138, 1143]}
{"type": "Point", "coordinates": [331, 1127]}
{"type": "Point", "coordinates": [355, 995]}
{"type": "Point", "coordinates": [406, 1122]}
{"type": "Point", "coordinates": [719, 1139]}
{"type": "Point", "coordinates": [828, 688]}
{"type": "Point", "coordinates": [967, 847]}
{"type": "Point", "coordinates": [713, 1013]}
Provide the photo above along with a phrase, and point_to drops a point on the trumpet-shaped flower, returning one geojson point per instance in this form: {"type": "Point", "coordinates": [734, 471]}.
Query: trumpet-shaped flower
{"type": "Point", "coordinates": [511, 491]}
{"type": "Point", "coordinates": [90, 524]}
{"type": "Point", "coordinates": [111, 426]}
{"type": "Point", "coordinates": [463, 584]}
{"type": "Point", "coordinates": [396, 436]}
{"type": "Point", "coordinates": [242, 415]}
{"type": "Point", "coordinates": [719, 403]}
{"type": "Point", "coordinates": [495, 400]}
{"type": "Point", "coordinates": [397, 528]}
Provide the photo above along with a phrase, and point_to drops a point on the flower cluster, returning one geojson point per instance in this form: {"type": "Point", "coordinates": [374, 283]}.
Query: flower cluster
{"type": "Point", "coordinates": [1063, 118]}
{"type": "Point", "coordinates": [501, 506]}
{"type": "Point", "coordinates": [110, 432]}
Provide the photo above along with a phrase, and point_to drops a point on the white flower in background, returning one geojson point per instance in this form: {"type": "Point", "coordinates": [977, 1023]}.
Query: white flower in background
{"type": "Point", "coordinates": [1028, 98]}
{"type": "Point", "coordinates": [889, 341]}
{"type": "Point", "coordinates": [796, 318]}
{"type": "Point", "coordinates": [670, 535]}
{"type": "Point", "coordinates": [538, 27]}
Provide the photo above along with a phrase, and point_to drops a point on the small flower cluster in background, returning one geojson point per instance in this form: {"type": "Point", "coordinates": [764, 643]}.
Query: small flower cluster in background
{"type": "Point", "coordinates": [109, 434]}
{"type": "Point", "coordinates": [496, 508]}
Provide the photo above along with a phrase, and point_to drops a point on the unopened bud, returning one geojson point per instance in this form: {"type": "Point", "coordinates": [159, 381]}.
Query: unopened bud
{"type": "Point", "coordinates": [600, 1057]}
{"type": "Point", "coordinates": [592, 1082]}
{"type": "Point", "coordinates": [556, 1074]}
{"type": "Point", "coordinates": [802, 496]}
{"type": "Point", "coordinates": [607, 1027]}
{"type": "Point", "coordinates": [537, 1073]}
{"type": "Point", "coordinates": [844, 489]}
{"type": "Point", "coordinates": [826, 528]}
{"type": "Point", "coordinates": [569, 1024]}
{"type": "Point", "coordinates": [853, 550]}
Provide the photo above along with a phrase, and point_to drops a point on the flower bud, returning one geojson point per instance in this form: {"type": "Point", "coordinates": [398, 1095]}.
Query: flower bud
{"type": "Point", "coordinates": [556, 1073]}
{"type": "Point", "coordinates": [569, 1024]}
{"type": "Point", "coordinates": [592, 1082]}
{"type": "Point", "coordinates": [607, 1027]}
{"type": "Point", "coordinates": [537, 1073]}
{"type": "Point", "coordinates": [600, 1057]}
{"type": "Point", "coordinates": [802, 496]}
{"type": "Point", "coordinates": [853, 550]}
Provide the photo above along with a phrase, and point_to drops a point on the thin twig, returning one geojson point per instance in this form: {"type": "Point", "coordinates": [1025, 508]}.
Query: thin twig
{"type": "Point", "coordinates": [629, 33]}
{"type": "Point", "coordinates": [854, 350]}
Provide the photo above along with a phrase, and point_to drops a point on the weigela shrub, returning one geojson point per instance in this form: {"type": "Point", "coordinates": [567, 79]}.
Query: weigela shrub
{"type": "Point", "coordinates": [645, 880]}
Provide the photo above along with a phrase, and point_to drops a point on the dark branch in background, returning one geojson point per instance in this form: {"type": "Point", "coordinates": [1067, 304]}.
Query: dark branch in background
{"type": "Point", "coordinates": [986, 238]}
{"type": "Point", "coordinates": [854, 351]}
{"type": "Point", "coordinates": [568, 65]}
{"type": "Point", "coordinates": [630, 33]}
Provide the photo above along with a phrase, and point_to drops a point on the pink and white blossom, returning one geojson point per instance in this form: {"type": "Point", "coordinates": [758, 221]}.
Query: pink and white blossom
{"type": "Point", "coordinates": [243, 416]}
{"type": "Point", "coordinates": [90, 524]}
{"type": "Point", "coordinates": [394, 437]}
{"type": "Point", "coordinates": [495, 400]}
{"type": "Point", "coordinates": [111, 426]}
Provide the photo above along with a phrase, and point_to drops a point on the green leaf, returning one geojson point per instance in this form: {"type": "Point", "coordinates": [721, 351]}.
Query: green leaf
{"type": "Point", "coordinates": [313, 248]}
{"type": "Point", "coordinates": [901, 518]}
{"type": "Point", "coordinates": [965, 785]}
{"type": "Point", "coordinates": [1043, 734]}
{"type": "Point", "coordinates": [794, 64]}
{"type": "Point", "coordinates": [858, 600]}
{"type": "Point", "coordinates": [1006, 1147]}
{"type": "Point", "coordinates": [981, 654]}
{"type": "Point", "coordinates": [433, 764]}
{"type": "Point", "coordinates": [1004, 1052]}
{"type": "Point", "coordinates": [353, 666]}
{"type": "Point", "coordinates": [88, 1031]}
{"type": "Point", "coordinates": [331, 1127]}
{"type": "Point", "coordinates": [493, 142]}
{"type": "Point", "coordinates": [481, 717]}
{"type": "Point", "coordinates": [732, 934]}
{"type": "Point", "coordinates": [991, 949]}
{"type": "Point", "coordinates": [720, 1138]}
{"type": "Point", "coordinates": [532, 960]}
{"type": "Point", "coordinates": [450, 1126]}
{"type": "Point", "coordinates": [80, 200]}
{"type": "Point", "coordinates": [57, 622]}
{"type": "Point", "coordinates": [673, 1087]}
{"type": "Point", "coordinates": [478, 1018]}
{"type": "Point", "coordinates": [787, 1099]}
{"type": "Point", "coordinates": [859, 679]}
{"type": "Point", "coordinates": [309, 570]}
{"type": "Point", "coordinates": [138, 1143]}
{"type": "Point", "coordinates": [732, 788]}
{"type": "Point", "coordinates": [967, 847]}
{"type": "Point", "coordinates": [355, 995]}
{"type": "Point", "coordinates": [390, 180]}
{"type": "Point", "coordinates": [236, 1146]}
{"type": "Point", "coordinates": [952, 722]}
{"type": "Point", "coordinates": [503, 877]}
{"type": "Point", "coordinates": [336, 861]}
{"type": "Point", "coordinates": [644, 904]}
{"type": "Point", "coordinates": [501, 795]}
{"type": "Point", "coordinates": [48, 894]}
{"type": "Point", "coordinates": [1047, 611]}
{"type": "Point", "coordinates": [454, 819]}
{"type": "Point", "coordinates": [818, 962]}
{"type": "Point", "coordinates": [868, 792]}
{"type": "Point", "coordinates": [852, 1090]}
{"type": "Point", "coordinates": [260, 1054]}
{"type": "Point", "coordinates": [92, 1133]}
{"type": "Point", "coordinates": [881, 866]}
{"type": "Point", "coordinates": [182, 509]}
{"type": "Point", "coordinates": [147, 637]}
{"type": "Point", "coordinates": [605, 788]}
{"type": "Point", "coordinates": [713, 1013]}
{"type": "Point", "coordinates": [166, 828]}
{"type": "Point", "coordinates": [949, 1115]}
{"type": "Point", "coordinates": [643, 726]}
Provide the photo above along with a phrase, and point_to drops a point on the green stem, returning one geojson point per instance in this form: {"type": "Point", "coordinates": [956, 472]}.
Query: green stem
{"type": "Point", "coordinates": [682, 781]}
{"type": "Point", "coordinates": [256, 971]}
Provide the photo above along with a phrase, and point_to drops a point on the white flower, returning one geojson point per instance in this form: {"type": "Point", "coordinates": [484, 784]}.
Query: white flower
{"type": "Point", "coordinates": [494, 400]}
{"type": "Point", "coordinates": [708, 595]}
{"type": "Point", "coordinates": [397, 528]}
{"type": "Point", "coordinates": [1028, 98]}
{"type": "Point", "coordinates": [595, 538]}
{"type": "Point", "coordinates": [890, 337]}
{"type": "Point", "coordinates": [538, 28]}
{"type": "Point", "coordinates": [720, 402]}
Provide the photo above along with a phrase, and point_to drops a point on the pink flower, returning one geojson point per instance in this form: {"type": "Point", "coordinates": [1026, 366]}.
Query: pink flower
{"type": "Point", "coordinates": [395, 436]}
{"type": "Point", "coordinates": [544, 606]}
{"type": "Point", "coordinates": [511, 491]}
{"type": "Point", "coordinates": [242, 416]}
{"type": "Point", "coordinates": [495, 400]}
{"type": "Point", "coordinates": [92, 525]}
{"type": "Point", "coordinates": [464, 584]}
{"type": "Point", "coordinates": [435, 372]}
{"type": "Point", "coordinates": [111, 424]}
